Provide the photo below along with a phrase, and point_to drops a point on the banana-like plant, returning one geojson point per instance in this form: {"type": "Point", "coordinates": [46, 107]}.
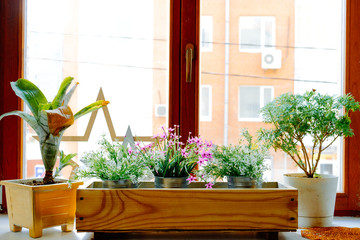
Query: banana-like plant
{"type": "Point", "coordinates": [49, 119]}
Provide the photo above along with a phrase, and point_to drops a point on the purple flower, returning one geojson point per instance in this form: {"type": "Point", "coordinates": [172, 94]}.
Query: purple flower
{"type": "Point", "coordinates": [171, 129]}
{"type": "Point", "coordinates": [209, 185]}
{"type": "Point", "coordinates": [191, 179]}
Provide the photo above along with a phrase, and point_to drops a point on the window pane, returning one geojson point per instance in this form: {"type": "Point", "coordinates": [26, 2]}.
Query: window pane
{"type": "Point", "coordinates": [205, 103]}
{"type": "Point", "coordinates": [269, 32]}
{"type": "Point", "coordinates": [306, 49]}
{"type": "Point", "coordinates": [118, 47]}
{"type": "Point", "coordinates": [206, 33]}
{"type": "Point", "coordinates": [250, 32]}
{"type": "Point", "coordinates": [249, 102]}
{"type": "Point", "coordinates": [267, 95]}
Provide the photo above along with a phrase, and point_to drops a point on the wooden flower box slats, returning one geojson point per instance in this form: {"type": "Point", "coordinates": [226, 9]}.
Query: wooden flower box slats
{"type": "Point", "coordinates": [270, 208]}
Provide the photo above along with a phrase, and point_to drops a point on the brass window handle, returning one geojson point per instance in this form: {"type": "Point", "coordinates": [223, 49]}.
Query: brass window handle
{"type": "Point", "coordinates": [189, 58]}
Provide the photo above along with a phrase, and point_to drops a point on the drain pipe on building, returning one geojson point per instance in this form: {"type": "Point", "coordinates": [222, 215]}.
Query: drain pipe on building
{"type": "Point", "coordinates": [226, 75]}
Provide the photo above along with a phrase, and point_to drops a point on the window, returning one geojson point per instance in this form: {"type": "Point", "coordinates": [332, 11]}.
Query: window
{"type": "Point", "coordinates": [128, 54]}
{"type": "Point", "coordinates": [256, 33]}
{"type": "Point", "coordinates": [205, 103]}
{"type": "Point", "coordinates": [329, 22]}
{"type": "Point", "coordinates": [252, 99]}
{"type": "Point", "coordinates": [206, 33]}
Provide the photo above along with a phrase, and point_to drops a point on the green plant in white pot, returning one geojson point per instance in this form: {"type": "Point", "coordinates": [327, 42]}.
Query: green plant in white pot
{"type": "Point", "coordinates": [47, 202]}
{"type": "Point", "coordinates": [116, 165]}
{"type": "Point", "coordinates": [318, 119]}
{"type": "Point", "coordinates": [242, 164]}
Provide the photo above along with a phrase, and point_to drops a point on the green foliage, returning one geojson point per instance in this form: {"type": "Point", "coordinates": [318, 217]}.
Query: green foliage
{"type": "Point", "coordinates": [65, 160]}
{"type": "Point", "coordinates": [322, 118]}
{"type": "Point", "coordinates": [244, 159]}
{"type": "Point", "coordinates": [112, 161]}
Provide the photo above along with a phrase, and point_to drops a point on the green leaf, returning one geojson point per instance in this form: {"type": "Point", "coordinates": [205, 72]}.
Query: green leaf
{"type": "Point", "coordinates": [30, 94]}
{"type": "Point", "coordinates": [57, 102]}
{"type": "Point", "coordinates": [65, 160]}
{"type": "Point", "coordinates": [28, 118]}
{"type": "Point", "coordinates": [69, 94]}
{"type": "Point", "coordinates": [90, 108]}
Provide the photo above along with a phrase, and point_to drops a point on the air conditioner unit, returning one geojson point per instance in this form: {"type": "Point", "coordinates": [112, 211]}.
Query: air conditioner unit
{"type": "Point", "coordinates": [160, 110]}
{"type": "Point", "coordinates": [271, 59]}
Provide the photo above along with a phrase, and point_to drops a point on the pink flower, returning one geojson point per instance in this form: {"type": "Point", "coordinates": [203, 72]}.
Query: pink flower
{"type": "Point", "coordinates": [171, 129]}
{"type": "Point", "coordinates": [207, 155]}
{"type": "Point", "coordinates": [209, 144]}
{"type": "Point", "coordinates": [209, 185]}
{"type": "Point", "coordinates": [201, 161]}
{"type": "Point", "coordinates": [184, 153]}
{"type": "Point", "coordinates": [130, 151]}
{"type": "Point", "coordinates": [191, 179]}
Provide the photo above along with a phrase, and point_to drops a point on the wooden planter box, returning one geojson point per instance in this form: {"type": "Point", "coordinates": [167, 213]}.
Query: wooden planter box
{"type": "Point", "coordinates": [38, 207]}
{"type": "Point", "coordinates": [272, 208]}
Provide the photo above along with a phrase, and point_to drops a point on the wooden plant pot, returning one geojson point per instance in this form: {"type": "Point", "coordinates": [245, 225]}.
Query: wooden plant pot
{"type": "Point", "coordinates": [42, 206]}
{"type": "Point", "coordinates": [271, 208]}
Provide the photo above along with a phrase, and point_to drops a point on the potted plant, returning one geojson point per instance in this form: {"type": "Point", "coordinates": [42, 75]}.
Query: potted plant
{"type": "Point", "coordinates": [49, 202]}
{"type": "Point", "coordinates": [242, 164]}
{"type": "Point", "coordinates": [115, 164]}
{"type": "Point", "coordinates": [319, 119]}
{"type": "Point", "coordinates": [170, 160]}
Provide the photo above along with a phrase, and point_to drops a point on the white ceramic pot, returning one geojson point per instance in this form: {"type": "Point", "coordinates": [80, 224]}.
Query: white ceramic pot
{"type": "Point", "coordinates": [316, 197]}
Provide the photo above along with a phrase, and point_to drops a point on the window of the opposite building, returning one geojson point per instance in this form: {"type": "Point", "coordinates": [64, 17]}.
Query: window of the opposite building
{"type": "Point", "coordinates": [205, 103]}
{"type": "Point", "coordinates": [252, 99]}
{"type": "Point", "coordinates": [206, 33]}
{"type": "Point", "coordinates": [256, 33]}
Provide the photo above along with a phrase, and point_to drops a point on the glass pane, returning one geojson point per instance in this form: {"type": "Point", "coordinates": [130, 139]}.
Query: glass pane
{"type": "Point", "coordinates": [250, 32]}
{"type": "Point", "coordinates": [307, 48]}
{"type": "Point", "coordinates": [205, 103]}
{"type": "Point", "coordinates": [269, 32]}
{"type": "Point", "coordinates": [249, 102]}
{"type": "Point", "coordinates": [267, 95]}
{"type": "Point", "coordinates": [118, 50]}
{"type": "Point", "coordinates": [206, 33]}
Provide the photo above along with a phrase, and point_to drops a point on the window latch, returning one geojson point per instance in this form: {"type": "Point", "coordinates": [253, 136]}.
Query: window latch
{"type": "Point", "coordinates": [189, 59]}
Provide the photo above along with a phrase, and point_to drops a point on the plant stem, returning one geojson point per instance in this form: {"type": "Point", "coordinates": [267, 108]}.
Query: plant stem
{"type": "Point", "coordinates": [48, 179]}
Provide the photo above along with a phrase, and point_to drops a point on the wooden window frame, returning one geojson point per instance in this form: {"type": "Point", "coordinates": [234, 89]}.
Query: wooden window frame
{"type": "Point", "coordinates": [183, 97]}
